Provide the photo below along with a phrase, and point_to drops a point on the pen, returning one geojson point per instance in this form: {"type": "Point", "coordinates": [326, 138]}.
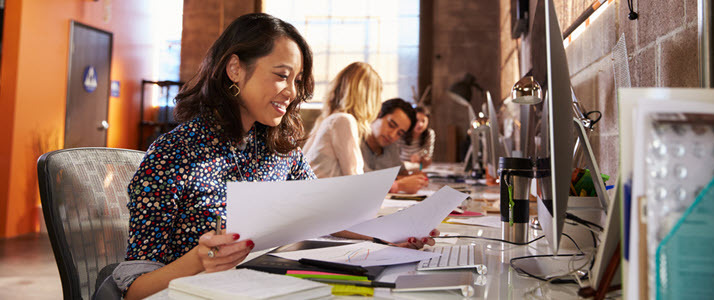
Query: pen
{"type": "Point", "coordinates": [219, 224]}
{"type": "Point", "coordinates": [219, 230]}
{"type": "Point", "coordinates": [366, 283]}
{"type": "Point", "coordinates": [333, 266]}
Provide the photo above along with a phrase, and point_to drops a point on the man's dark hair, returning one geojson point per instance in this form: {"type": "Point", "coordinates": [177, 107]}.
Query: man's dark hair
{"type": "Point", "coordinates": [390, 105]}
{"type": "Point", "coordinates": [251, 37]}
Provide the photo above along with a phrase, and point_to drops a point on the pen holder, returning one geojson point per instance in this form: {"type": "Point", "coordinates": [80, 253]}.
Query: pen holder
{"type": "Point", "coordinates": [515, 174]}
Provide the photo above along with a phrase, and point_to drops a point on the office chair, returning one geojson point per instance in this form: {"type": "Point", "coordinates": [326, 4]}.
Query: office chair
{"type": "Point", "coordinates": [84, 196]}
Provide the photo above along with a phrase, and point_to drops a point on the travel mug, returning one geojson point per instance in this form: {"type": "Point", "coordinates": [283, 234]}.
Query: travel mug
{"type": "Point", "coordinates": [515, 174]}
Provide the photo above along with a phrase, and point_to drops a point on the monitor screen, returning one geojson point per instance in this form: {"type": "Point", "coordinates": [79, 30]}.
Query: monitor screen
{"type": "Point", "coordinates": [551, 69]}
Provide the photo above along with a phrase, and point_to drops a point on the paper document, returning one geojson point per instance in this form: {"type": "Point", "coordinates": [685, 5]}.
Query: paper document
{"type": "Point", "coordinates": [283, 212]}
{"type": "Point", "coordinates": [488, 221]}
{"type": "Point", "coordinates": [245, 284]}
{"type": "Point", "coordinates": [365, 254]}
{"type": "Point", "coordinates": [415, 221]}
{"type": "Point", "coordinates": [398, 203]}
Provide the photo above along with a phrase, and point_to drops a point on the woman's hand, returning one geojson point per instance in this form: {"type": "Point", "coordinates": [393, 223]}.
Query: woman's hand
{"type": "Point", "coordinates": [415, 158]}
{"type": "Point", "coordinates": [221, 252]}
{"type": "Point", "coordinates": [415, 243]}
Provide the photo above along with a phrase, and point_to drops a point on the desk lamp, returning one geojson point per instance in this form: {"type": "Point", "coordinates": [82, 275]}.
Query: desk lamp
{"type": "Point", "coordinates": [527, 91]}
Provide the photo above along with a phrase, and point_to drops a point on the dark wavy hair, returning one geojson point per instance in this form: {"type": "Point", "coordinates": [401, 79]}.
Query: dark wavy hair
{"type": "Point", "coordinates": [390, 105]}
{"type": "Point", "coordinates": [251, 37]}
{"type": "Point", "coordinates": [422, 137]}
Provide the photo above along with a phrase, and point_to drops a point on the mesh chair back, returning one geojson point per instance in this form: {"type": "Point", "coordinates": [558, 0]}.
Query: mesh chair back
{"type": "Point", "coordinates": [84, 196]}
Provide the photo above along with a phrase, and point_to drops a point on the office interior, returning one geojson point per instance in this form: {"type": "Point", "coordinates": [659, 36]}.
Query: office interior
{"type": "Point", "coordinates": [455, 37]}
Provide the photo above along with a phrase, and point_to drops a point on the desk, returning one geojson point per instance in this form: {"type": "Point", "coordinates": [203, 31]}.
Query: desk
{"type": "Point", "coordinates": [500, 282]}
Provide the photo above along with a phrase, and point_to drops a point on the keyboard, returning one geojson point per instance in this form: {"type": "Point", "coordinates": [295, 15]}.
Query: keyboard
{"type": "Point", "coordinates": [455, 257]}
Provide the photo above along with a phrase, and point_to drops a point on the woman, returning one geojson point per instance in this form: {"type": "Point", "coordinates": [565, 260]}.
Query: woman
{"type": "Point", "coordinates": [418, 148]}
{"type": "Point", "coordinates": [352, 103]}
{"type": "Point", "coordinates": [240, 122]}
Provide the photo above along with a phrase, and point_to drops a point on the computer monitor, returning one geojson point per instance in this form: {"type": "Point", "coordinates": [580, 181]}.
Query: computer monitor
{"type": "Point", "coordinates": [558, 134]}
{"type": "Point", "coordinates": [494, 147]}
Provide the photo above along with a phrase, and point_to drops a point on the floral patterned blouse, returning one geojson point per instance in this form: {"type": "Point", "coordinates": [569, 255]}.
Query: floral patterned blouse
{"type": "Point", "coordinates": [180, 186]}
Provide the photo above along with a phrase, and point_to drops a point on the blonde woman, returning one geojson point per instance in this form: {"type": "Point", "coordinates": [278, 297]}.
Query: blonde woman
{"type": "Point", "coordinates": [352, 103]}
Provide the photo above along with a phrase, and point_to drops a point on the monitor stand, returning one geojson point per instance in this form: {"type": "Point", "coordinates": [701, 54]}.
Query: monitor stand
{"type": "Point", "coordinates": [555, 266]}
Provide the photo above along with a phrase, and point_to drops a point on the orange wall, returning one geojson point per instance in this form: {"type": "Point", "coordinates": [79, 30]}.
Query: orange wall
{"type": "Point", "coordinates": [33, 86]}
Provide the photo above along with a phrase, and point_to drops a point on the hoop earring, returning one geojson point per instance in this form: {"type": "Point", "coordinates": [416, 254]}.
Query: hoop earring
{"type": "Point", "coordinates": [234, 87]}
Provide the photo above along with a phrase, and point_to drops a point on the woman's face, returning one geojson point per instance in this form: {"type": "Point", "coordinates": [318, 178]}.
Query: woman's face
{"type": "Point", "coordinates": [272, 86]}
{"type": "Point", "coordinates": [421, 124]}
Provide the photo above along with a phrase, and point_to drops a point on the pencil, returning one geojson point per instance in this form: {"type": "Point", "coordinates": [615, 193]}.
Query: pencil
{"type": "Point", "coordinates": [219, 230]}
{"type": "Point", "coordinates": [219, 224]}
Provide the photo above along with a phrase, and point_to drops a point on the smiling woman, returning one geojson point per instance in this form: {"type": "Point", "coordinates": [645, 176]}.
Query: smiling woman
{"type": "Point", "coordinates": [240, 123]}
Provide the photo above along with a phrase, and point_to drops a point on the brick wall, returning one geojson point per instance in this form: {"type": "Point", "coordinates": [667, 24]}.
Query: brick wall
{"type": "Point", "coordinates": [662, 52]}
{"type": "Point", "coordinates": [203, 22]}
{"type": "Point", "coordinates": [466, 39]}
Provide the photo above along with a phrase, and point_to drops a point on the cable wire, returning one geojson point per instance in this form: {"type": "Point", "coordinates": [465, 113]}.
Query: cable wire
{"type": "Point", "coordinates": [632, 15]}
{"type": "Point", "coordinates": [491, 239]}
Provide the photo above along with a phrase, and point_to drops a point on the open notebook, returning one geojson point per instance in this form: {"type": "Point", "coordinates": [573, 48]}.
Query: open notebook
{"type": "Point", "coordinates": [246, 284]}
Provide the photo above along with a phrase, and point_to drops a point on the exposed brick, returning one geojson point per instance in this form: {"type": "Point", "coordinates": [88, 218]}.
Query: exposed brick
{"type": "Point", "coordinates": [577, 7]}
{"type": "Point", "coordinates": [679, 63]}
{"type": "Point", "coordinates": [608, 160]}
{"type": "Point", "coordinates": [657, 18]}
{"type": "Point", "coordinates": [576, 53]}
{"type": "Point", "coordinates": [509, 74]}
{"type": "Point", "coordinates": [584, 86]}
{"type": "Point", "coordinates": [606, 97]}
{"type": "Point", "coordinates": [644, 69]}
{"type": "Point", "coordinates": [201, 5]}
{"type": "Point", "coordinates": [597, 41]}
{"type": "Point", "coordinates": [626, 26]}
{"type": "Point", "coordinates": [466, 38]}
{"type": "Point", "coordinates": [691, 10]}
{"type": "Point", "coordinates": [233, 9]}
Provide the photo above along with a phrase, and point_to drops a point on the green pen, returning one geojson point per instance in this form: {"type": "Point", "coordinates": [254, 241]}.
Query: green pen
{"type": "Point", "coordinates": [366, 283]}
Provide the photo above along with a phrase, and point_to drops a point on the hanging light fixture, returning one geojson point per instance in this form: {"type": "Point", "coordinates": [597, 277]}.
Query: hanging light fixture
{"type": "Point", "coordinates": [527, 91]}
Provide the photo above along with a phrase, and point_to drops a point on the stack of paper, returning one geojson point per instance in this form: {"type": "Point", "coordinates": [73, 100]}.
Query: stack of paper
{"type": "Point", "coordinates": [246, 284]}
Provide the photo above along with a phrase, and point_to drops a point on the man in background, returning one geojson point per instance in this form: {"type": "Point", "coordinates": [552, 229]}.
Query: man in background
{"type": "Point", "coordinates": [380, 150]}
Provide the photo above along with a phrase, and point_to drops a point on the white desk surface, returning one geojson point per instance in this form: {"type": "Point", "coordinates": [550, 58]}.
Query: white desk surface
{"type": "Point", "coordinates": [500, 282]}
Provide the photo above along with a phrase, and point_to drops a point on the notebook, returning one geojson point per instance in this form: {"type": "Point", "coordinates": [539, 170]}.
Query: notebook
{"type": "Point", "coordinates": [246, 284]}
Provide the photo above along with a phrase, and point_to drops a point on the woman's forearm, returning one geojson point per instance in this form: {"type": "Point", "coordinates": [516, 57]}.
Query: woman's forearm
{"type": "Point", "coordinates": [157, 280]}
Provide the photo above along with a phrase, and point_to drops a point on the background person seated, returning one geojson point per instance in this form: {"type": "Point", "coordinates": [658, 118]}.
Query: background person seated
{"type": "Point", "coordinates": [380, 150]}
{"type": "Point", "coordinates": [351, 105]}
{"type": "Point", "coordinates": [417, 149]}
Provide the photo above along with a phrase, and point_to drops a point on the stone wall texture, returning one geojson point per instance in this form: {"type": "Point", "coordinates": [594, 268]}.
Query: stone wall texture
{"type": "Point", "coordinates": [662, 52]}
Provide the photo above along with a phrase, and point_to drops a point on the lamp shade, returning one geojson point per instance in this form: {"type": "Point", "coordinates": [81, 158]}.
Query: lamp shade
{"type": "Point", "coordinates": [527, 91]}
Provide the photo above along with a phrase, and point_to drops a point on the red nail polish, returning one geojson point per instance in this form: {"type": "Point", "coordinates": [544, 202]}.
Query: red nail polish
{"type": "Point", "coordinates": [432, 233]}
{"type": "Point", "coordinates": [412, 240]}
{"type": "Point", "coordinates": [250, 244]}
{"type": "Point", "coordinates": [424, 240]}
{"type": "Point", "coordinates": [236, 236]}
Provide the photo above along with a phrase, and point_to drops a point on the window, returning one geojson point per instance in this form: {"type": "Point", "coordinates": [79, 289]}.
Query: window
{"type": "Point", "coordinates": [384, 34]}
{"type": "Point", "coordinates": [167, 22]}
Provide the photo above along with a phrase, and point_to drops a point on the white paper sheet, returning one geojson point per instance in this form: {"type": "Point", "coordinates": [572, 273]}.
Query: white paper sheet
{"type": "Point", "coordinates": [364, 254]}
{"type": "Point", "coordinates": [487, 221]}
{"type": "Point", "coordinates": [415, 221]}
{"type": "Point", "coordinates": [283, 212]}
{"type": "Point", "coordinates": [398, 203]}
